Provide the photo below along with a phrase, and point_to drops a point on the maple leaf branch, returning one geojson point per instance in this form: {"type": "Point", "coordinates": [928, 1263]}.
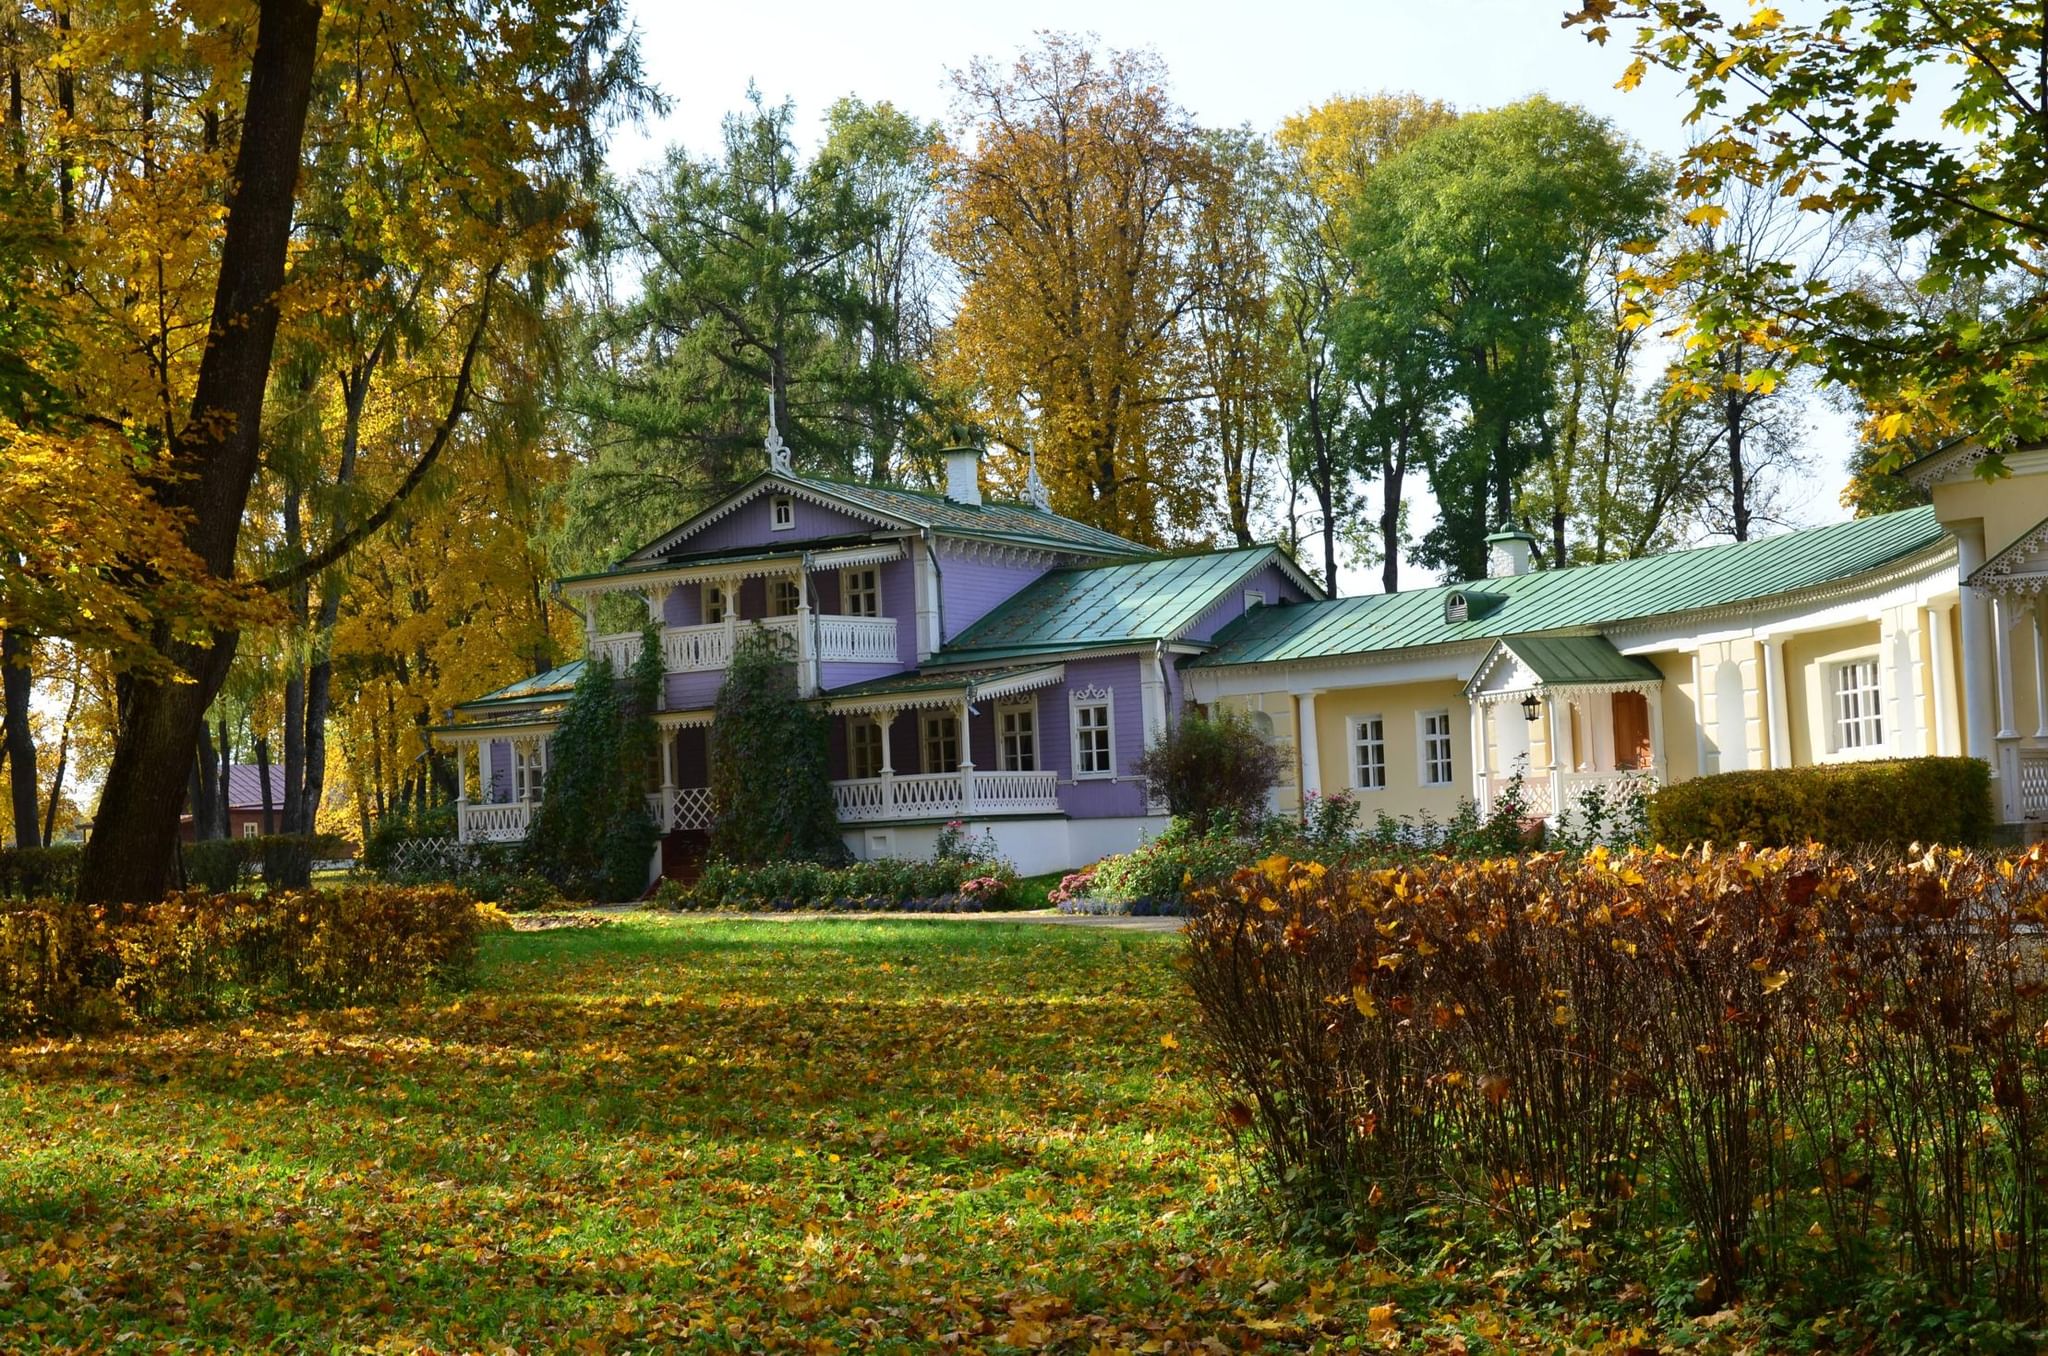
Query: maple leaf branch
{"type": "Point", "coordinates": [458, 405]}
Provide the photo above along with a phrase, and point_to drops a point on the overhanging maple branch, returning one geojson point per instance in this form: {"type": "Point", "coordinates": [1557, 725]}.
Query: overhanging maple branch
{"type": "Point", "coordinates": [458, 405]}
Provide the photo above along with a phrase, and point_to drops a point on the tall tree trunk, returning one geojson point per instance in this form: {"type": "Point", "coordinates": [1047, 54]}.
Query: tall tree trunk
{"type": "Point", "coordinates": [225, 811]}
{"type": "Point", "coordinates": [63, 748]}
{"type": "Point", "coordinates": [1738, 472]}
{"type": "Point", "coordinates": [263, 775]}
{"type": "Point", "coordinates": [214, 461]}
{"type": "Point", "coordinates": [295, 680]}
{"type": "Point", "coordinates": [205, 781]}
{"type": "Point", "coordinates": [1392, 473]}
{"type": "Point", "coordinates": [18, 684]}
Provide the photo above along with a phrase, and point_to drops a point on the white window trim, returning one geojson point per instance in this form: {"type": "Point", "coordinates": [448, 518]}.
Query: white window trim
{"type": "Point", "coordinates": [781, 513]}
{"type": "Point", "coordinates": [1029, 705]}
{"type": "Point", "coordinates": [866, 723]}
{"type": "Point", "coordinates": [1254, 598]}
{"type": "Point", "coordinates": [251, 829]}
{"type": "Point", "coordinates": [1422, 738]}
{"type": "Point", "coordinates": [846, 591]}
{"type": "Point", "coordinates": [1351, 728]}
{"type": "Point", "coordinates": [1831, 695]}
{"type": "Point", "coordinates": [1091, 696]}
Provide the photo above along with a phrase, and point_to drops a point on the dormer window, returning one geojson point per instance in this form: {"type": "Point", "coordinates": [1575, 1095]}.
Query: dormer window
{"type": "Point", "coordinates": [1254, 598]}
{"type": "Point", "coordinates": [781, 513]}
{"type": "Point", "coordinates": [1456, 608]}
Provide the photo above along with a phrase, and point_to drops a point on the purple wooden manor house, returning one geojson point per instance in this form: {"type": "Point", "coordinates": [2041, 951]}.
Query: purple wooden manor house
{"type": "Point", "coordinates": [987, 662]}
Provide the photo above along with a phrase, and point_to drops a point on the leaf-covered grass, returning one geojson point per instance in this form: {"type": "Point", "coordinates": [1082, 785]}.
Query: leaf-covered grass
{"type": "Point", "coordinates": [678, 1133]}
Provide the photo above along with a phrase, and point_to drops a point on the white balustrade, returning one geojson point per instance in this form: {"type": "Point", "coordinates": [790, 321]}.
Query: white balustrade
{"type": "Point", "coordinates": [2033, 783]}
{"type": "Point", "coordinates": [930, 795]}
{"type": "Point", "coordinates": [502, 822]}
{"type": "Point", "coordinates": [695, 649]}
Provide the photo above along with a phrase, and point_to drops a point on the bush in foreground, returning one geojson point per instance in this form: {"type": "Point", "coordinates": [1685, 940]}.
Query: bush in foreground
{"type": "Point", "coordinates": [1807, 1074]}
{"type": "Point", "coordinates": [66, 966]}
{"type": "Point", "coordinates": [1893, 800]}
{"type": "Point", "coordinates": [965, 874]}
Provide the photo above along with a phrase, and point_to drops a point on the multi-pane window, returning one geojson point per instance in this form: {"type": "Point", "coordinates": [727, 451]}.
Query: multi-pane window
{"type": "Point", "coordinates": [782, 513]}
{"type": "Point", "coordinates": [1859, 723]}
{"type": "Point", "coordinates": [864, 749]}
{"type": "Point", "coordinates": [1369, 753]}
{"type": "Point", "coordinates": [1436, 748]}
{"type": "Point", "coordinates": [861, 593]}
{"type": "Point", "coordinates": [783, 595]}
{"type": "Point", "coordinates": [251, 829]}
{"type": "Point", "coordinates": [941, 743]}
{"type": "Point", "coordinates": [529, 774]}
{"type": "Point", "coordinates": [1093, 744]}
{"type": "Point", "coordinates": [1018, 727]}
{"type": "Point", "coordinates": [714, 603]}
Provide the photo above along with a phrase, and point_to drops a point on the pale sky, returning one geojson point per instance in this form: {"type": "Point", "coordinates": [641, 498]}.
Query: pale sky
{"type": "Point", "coordinates": [1229, 64]}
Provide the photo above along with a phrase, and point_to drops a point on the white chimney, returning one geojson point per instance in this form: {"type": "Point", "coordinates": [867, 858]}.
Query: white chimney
{"type": "Point", "coordinates": [963, 475]}
{"type": "Point", "coordinates": [1509, 551]}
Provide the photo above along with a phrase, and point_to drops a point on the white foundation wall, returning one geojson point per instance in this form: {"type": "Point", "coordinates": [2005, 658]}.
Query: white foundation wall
{"type": "Point", "coordinates": [1033, 846]}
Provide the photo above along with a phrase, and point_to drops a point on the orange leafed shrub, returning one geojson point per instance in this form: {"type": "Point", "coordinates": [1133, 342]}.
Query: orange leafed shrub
{"type": "Point", "coordinates": [196, 955]}
{"type": "Point", "coordinates": [1814, 1061]}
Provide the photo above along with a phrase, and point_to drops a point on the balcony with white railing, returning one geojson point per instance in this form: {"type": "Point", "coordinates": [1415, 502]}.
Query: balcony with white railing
{"type": "Point", "coordinates": [696, 649]}
{"type": "Point", "coordinates": [494, 821]}
{"type": "Point", "coordinates": [935, 795]}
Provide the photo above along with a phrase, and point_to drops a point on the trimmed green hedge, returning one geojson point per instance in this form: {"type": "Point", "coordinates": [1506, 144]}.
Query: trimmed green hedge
{"type": "Point", "coordinates": [1889, 802]}
{"type": "Point", "coordinates": [36, 873]}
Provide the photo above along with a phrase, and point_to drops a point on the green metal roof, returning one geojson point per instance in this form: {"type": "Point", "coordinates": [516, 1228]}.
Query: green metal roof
{"type": "Point", "coordinates": [990, 518]}
{"type": "Point", "coordinates": [1588, 595]}
{"type": "Point", "coordinates": [1560, 660]}
{"type": "Point", "coordinates": [554, 683]}
{"type": "Point", "coordinates": [915, 680]}
{"type": "Point", "coordinates": [1095, 605]}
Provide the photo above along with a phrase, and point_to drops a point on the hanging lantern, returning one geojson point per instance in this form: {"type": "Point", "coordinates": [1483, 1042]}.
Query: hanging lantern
{"type": "Point", "coordinates": [1531, 707]}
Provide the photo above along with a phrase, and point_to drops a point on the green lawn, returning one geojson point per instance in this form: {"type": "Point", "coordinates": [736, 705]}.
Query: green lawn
{"type": "Point", "coordinates": [677, 1133]}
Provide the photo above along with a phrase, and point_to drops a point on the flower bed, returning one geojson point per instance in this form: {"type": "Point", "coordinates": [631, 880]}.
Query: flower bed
{"type": "Point", "coordinates": [945, 884]}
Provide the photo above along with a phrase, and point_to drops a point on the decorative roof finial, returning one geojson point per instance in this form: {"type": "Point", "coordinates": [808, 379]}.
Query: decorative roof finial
{"type": "Point", "coordinates": [778, 450]}
{"type": "Point", "coordinates": [1034, 489]}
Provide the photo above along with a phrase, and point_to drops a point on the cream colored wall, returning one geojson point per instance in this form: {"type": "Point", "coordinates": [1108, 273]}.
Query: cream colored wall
{"type": "Point", "coordinates": [1807, 657]}
{"type": "Point", "coordinates": [1279, 708]}
{"type": "Point", "coordinates": [1398, 707]}
{"type": "Point", "coordinates": [1680, 715]}
{"type": "Point", "coordinates": [2009, 508]}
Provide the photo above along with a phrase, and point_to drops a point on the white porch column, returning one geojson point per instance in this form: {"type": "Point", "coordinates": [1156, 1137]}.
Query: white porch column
{"type": "Point", "coordinates": [966, 759]}
{"type": "Point", "coordinates": [1777, 705]}
{"type": "Point", "coordinates": [1942, 668]}
{"type": "Point", "coordinates": [1980, 657]}
{"type": "Point", "coordinates": [589, 625]}
{"type": "Point", "coordinates": [668, 760]}
{"type": "Point", "coordinates": [1305, 735]}
{"type": "Point", "coordinates": [1699, 716]}
{"type": "Point", "coordinates": [926, 587]}
{"type": "Point", "coordinates": [1152, 698]}
{"type": "Point", "coordinates": [807, 676]}
{"type": "Point", "coordinates": [1557, 738]}
{"type": "Point", "coordinates": [2034, 633]}
{"type": "Point", "coordinates": [885, 720]}
{"type": "Point", "coordinates": [483, 772]}
{"type": "Point", "coordinates": [1482, 773]}
{"type": "Point", "coordinates": [656, 598]}
{"type": "Point", "coordinates": [1653, 701]}
{"type": "Point", "coordinates": [462, 748]}
{"type": "Point", "coordinates": [2002, 622]}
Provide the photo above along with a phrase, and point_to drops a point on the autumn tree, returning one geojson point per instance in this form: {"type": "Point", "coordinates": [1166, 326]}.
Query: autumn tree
{"type": "Point", "coordinates": [1475, 244]}
{"type": "Point", "coordinates": [1073, 193]}
{"type": "Point", "coordinates": [1369, 414]}
{"type": "Point", "coordinates": [1813, 110]}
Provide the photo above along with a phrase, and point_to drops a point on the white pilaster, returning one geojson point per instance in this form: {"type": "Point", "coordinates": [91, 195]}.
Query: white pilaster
{"type": "Point", "coordinates": [1152, 697]}
{"type": "Point", "coordinates": [2002, 622]}
{"type": "Point", "coordinates": [1310, 744]}
{"type": "Point", "coordinates": [1942, 671]}
{"type": "Point", "coordinates": [1482, 773]}
{"type": "Point", "coordinates": [1654, 700]}
{"type": "Point", "coordinates": [1699, 716]}
{"type": "Point", "coordinates": [1980, 658]}
{"type": "Point", "coordinates": [1777, 705]}
{"type": "Point", "coordinates": [2034, 634]}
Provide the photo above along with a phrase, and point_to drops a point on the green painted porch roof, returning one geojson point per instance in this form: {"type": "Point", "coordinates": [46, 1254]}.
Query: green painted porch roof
{"type": "Point", "coordinates": [1559, 660]}
{"type": "Point", "coordinates": [554, 683]}
{"type": "Point", "coordinates": [1091, 606]}
{"type": "Point", "coordinates": [914, 681]}
{"type": "Point", "coordinates": [1584, 596]}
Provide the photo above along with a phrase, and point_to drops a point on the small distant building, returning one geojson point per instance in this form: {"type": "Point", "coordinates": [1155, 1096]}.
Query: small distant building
{"type": "Point", "coordinates": [245, 803]}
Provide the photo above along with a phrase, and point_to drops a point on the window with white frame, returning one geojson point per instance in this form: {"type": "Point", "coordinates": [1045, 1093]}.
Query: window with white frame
{"type": "Point", "coordinates": [1435, 744]}
{"type": "Point", "coordinates": [1094, 734]}
{"type": "Point", "coordinates": [528, 775]}
{"type": "Point", "coordinates": [783, 596]}
{"type": "Point", "coordinates": [1017, 730]}
{"type": "Point", "coordinates": [781, 513]}
{"type": "Point", "coordinates": [941, 742]}
{"type": "Point", "coordinates": [860, 593]}
{"type": "Point", "coordinates": [864, 748]}
{"type": "Point", "coordinates": [1859, 722]}
{"type": "Point", "coordinates": [251, 829]}
{"type": "Point", "coordinates": [714, 602]}
{"type": "Point", "coordinates": [1368, 753]}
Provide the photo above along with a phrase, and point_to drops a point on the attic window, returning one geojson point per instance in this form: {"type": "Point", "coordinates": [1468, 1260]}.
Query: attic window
{"type": "Point", "coordinates": [1254, 598]}
{"type": "Point", "coordinates": [1456, 609]}
{"type": "Point", "coordinates": [782, 513]}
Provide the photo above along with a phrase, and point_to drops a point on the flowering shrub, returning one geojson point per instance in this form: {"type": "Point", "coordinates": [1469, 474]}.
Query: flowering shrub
{"type": "Point", "coordinates": [885, 883]}
{"type": "Point", "coordinates": [196, 955]}
{"type": "Point", "coordinates": [1072, 887]}
{"type": "Point", "coordinates": [1810, 1069]}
